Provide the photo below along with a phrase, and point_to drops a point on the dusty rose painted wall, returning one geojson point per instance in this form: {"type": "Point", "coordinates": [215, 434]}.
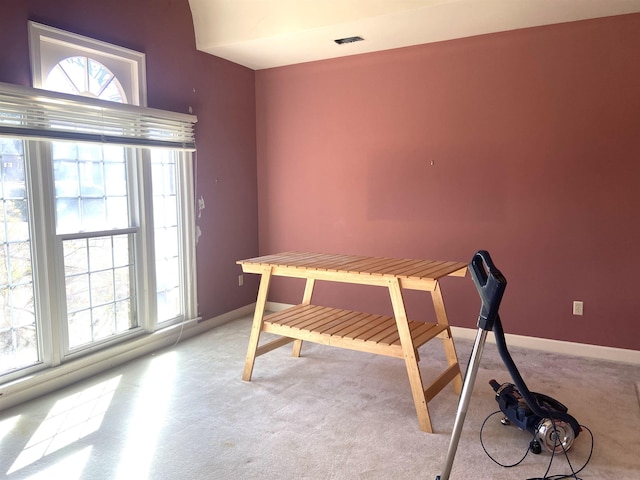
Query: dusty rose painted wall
{"type": "Point", "coordinates": [535, 143]}
{"type": "Point", "coordinates": [221, 94]}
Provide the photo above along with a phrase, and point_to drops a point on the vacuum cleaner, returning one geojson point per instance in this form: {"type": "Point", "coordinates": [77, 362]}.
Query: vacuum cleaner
{"type": "Point", "coordinates": [544, 417]}
{"type": "Point", "coordinates": [548, 430]}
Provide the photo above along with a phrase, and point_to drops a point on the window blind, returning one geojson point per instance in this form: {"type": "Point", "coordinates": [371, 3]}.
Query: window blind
{"type": "Point", "coordinates": [34, 113]}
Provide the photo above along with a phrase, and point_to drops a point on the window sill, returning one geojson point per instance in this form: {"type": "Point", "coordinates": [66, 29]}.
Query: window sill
{"type": "Point", "coordinates": [48, 380]}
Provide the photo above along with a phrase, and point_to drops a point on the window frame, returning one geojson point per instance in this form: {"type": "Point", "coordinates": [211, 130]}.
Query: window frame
{"type": "Point", "coordinates": [49, 296]}
{"type": "Point", "coordinates": [49, 45]}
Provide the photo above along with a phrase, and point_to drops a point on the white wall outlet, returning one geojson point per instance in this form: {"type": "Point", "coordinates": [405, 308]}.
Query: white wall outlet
{"type": "Point", "coordinates": [577, 307]}
{"type": "Point", "coordinates": [240, 280]}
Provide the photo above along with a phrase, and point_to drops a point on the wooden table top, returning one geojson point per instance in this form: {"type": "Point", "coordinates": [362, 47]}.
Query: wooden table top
{"type": "Point", "coordinates": [361, 265]}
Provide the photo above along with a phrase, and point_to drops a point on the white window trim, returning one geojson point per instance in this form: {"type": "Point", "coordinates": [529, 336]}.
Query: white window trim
{"type": "Point", "coordinates": [128, 65]}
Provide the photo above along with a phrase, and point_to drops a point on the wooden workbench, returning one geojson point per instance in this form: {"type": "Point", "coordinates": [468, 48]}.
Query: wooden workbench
{"type": "Point", "coordinates": [395, 336]}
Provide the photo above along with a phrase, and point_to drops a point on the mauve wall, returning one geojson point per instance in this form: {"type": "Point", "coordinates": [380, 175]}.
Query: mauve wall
{"type": "Point", "coordinates": [534, 137]}
{"type": "Point", "coordinates": [221, 94]}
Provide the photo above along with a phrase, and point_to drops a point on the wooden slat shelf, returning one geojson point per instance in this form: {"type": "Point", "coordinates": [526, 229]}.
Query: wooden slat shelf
{"type": "Point", "coordinates": [364, 332]}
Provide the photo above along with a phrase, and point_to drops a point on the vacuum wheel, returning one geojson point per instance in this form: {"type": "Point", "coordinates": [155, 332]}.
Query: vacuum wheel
{"type": "Point", "coordinates": [555, 435]}
{"type": "Point", "coordinates": [535, 447]}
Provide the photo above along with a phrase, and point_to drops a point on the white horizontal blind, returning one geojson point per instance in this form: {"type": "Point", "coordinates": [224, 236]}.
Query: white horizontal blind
{"type": "Point", "coordinates": [33, 113]}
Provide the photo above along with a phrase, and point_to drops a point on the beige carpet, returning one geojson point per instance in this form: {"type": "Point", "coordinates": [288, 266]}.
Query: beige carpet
{"type": "Point", "coordinates": [185, 413]}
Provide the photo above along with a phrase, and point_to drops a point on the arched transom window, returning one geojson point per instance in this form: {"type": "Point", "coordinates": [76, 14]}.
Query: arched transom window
{"type": "Point", "coordinates": [82, 75]}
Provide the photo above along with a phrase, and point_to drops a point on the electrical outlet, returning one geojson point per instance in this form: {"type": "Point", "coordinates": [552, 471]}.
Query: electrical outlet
{"type": "Point", "coordinates": [577, 307]}
{"type": "Point", "coordinates": [240, 280]}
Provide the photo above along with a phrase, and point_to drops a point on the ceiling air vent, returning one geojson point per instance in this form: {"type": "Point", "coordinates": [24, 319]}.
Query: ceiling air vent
{"type": "Point", "coordinates": [341, 41]}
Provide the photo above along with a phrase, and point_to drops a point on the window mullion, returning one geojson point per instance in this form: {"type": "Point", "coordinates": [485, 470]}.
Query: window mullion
{"type": "Point", "coordinates": [48, 269]}
{"type": "Point", "coordinates": [98, 233]}
{"type": "Point", "coordinates": [144, 248]}
{"type": "Point", "coordinates": [187, 214]}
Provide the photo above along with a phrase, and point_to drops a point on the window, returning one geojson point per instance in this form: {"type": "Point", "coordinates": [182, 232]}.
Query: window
{"type": "Point", "coordinates": [85, 76]}
{"type": "Point", "coordinates": [95, 206]}
{"type": "Point", "coordinates": [79, 65]}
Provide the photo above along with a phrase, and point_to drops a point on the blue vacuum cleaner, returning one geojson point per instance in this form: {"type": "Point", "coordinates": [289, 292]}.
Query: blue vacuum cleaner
{"type": "Point", "coordinates": [544, 417]}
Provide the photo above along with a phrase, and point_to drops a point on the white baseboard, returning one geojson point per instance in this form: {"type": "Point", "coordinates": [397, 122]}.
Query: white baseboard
{"type": "Point", "coordinates": [51, 379]}
{"type": "Point", "coordinates": [598, 352]}
{"type": "Point", "coordinates": [276, 307]}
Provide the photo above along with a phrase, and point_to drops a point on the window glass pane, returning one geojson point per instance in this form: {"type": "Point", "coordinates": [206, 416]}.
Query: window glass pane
{"type": "Point", "coordinates": [113, 153]}
{"type": "Point", "coordinates": [93, 212]}
{"type": "Point", "coordinates": [165, 211]}
{"type": "Point", "coordinates": [169, 300]}
{"type": "Point", "coordinates": [91, 179]}
{"type": "Point", "coordinates": [163, 177]}
{"type": "Point", "coordinates": [59, 81]}
{"type": "Point", "coordinates": [167, 246]}
{"type": "Point", "coordinates": [168, 270]}
{"type": "Point", "coordinates": [115, 171]}
{"type": "Point", "coordinates": [166, 235]}
{"type": "Point", "coordinates": [98, 273]}
{"type": "Point", "coordinates": [100, 253]}
{"type": "Point", "coordinates": [121, 251]}
{"type": "Point", "coordinates": [104, 324]}
{"type": "Point", "coordinates": [4, 266]}
{"type": "Point", "coordinates": [65, 150]}
{"type": "Point", "coordinates": [122, 277]}
{"type": "Point", "coordinates": [80, 75]}
{"type": "Point", "coordinates": [99, 77]}
{"type": "Point", "coordinates": [123, 315]}
{"type": "Point", "coordinates": [76, 259]}
{"type": "Point", "coordinates": [90, 187]}
{"type": "Point", "coordinates": [67, 214]}
{"type": "Point", "coordinates": [66, 178]}
{"type": "Point", "coordinates": [89, 152]}
{"type": "Point", "coordinates": [19, 262]}
{"type": "Point", "coordinates": [101, 287]}
{"type": "Point", "coordinates": [18, 327]}
{"type": "Point", "coordinates": [114, 208]}
{"type": "Point", "coordinates": [13, 179]}
{"type": "Point", "coordinates": [74, 68]}
{"type": "Point", "coordinates": [78, 293]}
{"type": "Point", "coordinates": [18, 228]}
{"type": "Point", "coordinates": [80, 331]}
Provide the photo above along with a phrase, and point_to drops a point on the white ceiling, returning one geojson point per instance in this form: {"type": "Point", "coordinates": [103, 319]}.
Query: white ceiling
{"type": "Point", "coordinates": [270, 33]}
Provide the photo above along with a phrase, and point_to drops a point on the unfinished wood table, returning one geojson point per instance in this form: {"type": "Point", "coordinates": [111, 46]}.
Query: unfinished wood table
{"type": "Point", "coordinates": [395, 336]}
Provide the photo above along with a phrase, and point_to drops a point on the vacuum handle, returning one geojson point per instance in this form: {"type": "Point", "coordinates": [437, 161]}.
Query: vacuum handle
{"type": "Point", "coordinates": [490, 284]}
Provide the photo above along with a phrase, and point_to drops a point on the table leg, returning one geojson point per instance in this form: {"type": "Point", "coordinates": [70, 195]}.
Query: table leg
{"type": "Point", "coordinates": [308, 291]}
{"type": "Point", "coordinates": [447, 340]}
{"type": "Point", "coordinates": [256, 327]}
{"type": "Point", "coordinates": [306, 300]}
{"type": "Point", "coordinates": [410, 359]}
